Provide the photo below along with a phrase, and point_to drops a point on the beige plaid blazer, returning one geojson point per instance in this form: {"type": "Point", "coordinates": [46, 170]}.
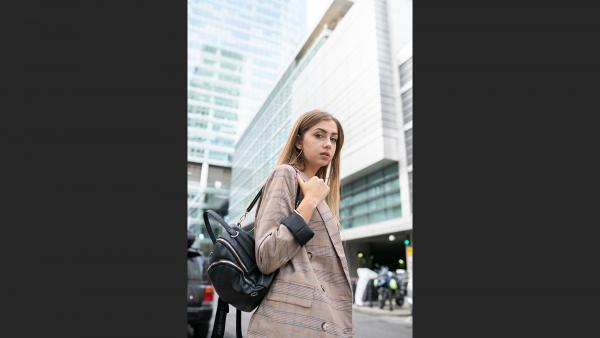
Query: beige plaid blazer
{"type": "Point", "coordinates": [311, 295]}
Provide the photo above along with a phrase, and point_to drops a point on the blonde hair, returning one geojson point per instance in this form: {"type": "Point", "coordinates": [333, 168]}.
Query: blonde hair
{"type": "Point", "coordinates": [331, 173]}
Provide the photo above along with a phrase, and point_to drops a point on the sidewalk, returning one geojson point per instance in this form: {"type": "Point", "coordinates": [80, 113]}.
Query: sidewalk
{"type": "Point", "coordinates": [403, 311]}
{"type": "Point", "coordinates": [397, 322]}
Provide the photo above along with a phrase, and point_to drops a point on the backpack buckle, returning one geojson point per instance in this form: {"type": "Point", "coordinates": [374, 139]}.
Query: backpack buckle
{"type": "Point", "coordinates": [242, 219]}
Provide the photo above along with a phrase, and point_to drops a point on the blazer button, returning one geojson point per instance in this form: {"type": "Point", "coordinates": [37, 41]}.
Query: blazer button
{"type": "Point", "coordinates": [324, 326]}
{"type": "Point", "coordinates": [309, 255]}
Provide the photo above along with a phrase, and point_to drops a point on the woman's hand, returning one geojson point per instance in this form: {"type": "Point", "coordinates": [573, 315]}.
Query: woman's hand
{"type": "Point", "coordinates": [315, 189]}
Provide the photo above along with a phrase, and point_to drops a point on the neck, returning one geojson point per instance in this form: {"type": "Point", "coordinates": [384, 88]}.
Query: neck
{"type": "Point", "coordinates": [309, 171]}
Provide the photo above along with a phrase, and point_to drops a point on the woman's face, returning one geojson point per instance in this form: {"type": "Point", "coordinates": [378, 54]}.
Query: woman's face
{"type": "Point", "coordinates": [318, 144]}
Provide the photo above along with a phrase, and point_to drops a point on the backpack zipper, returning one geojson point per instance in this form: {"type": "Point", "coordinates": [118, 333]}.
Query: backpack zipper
{"type": "Point", "coordinates": [237, 257]}
{"type": "Point", "coordinates": [226, 262]}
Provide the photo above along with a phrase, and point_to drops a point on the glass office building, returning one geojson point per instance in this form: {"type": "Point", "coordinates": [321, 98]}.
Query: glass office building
{"type": "Point", "coordinates": [348, 66]}
{"type": "Point", "coordinates": [237, 50]}
{"type": "Point", "coordinates": [263, 140]}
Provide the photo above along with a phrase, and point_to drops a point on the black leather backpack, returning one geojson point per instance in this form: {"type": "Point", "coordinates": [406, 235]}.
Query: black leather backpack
{"type": "Point", "coordinates": [233, 271]}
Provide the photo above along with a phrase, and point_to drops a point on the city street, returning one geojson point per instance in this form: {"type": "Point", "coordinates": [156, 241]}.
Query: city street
{"type": "Point", "coordinates": [365, 325]}
{"type": "Point", "coordinates": [379, 326]}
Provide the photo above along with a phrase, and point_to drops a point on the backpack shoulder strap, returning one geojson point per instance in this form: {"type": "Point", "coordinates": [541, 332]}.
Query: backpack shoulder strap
{"type": "Point", "coordinates": [238, 323]}
{"type": "Point", "coordinates": [220, 318]}
{"type": "Point", "coordinates": [298, 199]}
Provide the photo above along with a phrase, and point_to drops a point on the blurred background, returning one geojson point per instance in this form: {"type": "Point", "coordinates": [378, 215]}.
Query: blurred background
{"type": "Point", "coordinates": [253, 67]}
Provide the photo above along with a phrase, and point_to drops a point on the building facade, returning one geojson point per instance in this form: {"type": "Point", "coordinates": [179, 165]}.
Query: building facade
{"type": "Point", "coordinates": [351, 66]}
{"type": "Point", "coordinates": [237, 50]}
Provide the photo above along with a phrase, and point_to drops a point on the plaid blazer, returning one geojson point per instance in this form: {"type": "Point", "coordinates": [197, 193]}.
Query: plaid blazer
{"type": "Point", "coordinates": [311, 295]}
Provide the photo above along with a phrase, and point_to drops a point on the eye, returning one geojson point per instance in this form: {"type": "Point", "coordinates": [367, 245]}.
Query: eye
{"type": "Point", "coordinates": [334, 140]}
{"type": "Point", "coordinates": [318, 135]}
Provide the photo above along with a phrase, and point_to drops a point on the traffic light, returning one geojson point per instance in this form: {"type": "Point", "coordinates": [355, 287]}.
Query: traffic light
{"type": "Point", "coordinates": [407, 242]}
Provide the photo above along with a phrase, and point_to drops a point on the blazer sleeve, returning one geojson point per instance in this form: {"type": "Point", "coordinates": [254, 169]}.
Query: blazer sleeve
{"type": "Point", "coordinates": [279, 231]}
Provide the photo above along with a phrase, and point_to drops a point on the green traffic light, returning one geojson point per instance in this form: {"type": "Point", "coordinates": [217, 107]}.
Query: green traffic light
{"type": "Point", "coordinates": [406, 242]}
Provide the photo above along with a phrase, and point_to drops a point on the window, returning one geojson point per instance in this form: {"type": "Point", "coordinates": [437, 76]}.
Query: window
{"type": "Point", "coordinates": [208, 62]}
{"type": "Point", "coordinates": [221, 101]}
{"type": "Point", "coordinates": [391, 170]}
{"type": "Point", "coordinates": [196, 138]}
{"type": "Point", "coordinates": [392, 199]}
{"type": "Point", "coordinates": [232, 55]}
{"type": "Point", "coordinates": [230, 91]}
{"type": "Point", "coordinates": [376, 204]}
{"type": "Point", "coordinates": [197, 123]}
{"type": "Point", "coordinates": [407, 105]}
{"type": "Point", "coordinates": [201, 110]}
{"type": "Point", "coordinates": [204, 72]}
{"type": "Point", "coordinates": [360, 220]}
{"type": "Point", "coordinates": [219, 155]}
{"type": "Point", "coordinates": [406, 72]}
{"type": "Point", "coordinates": [200, 84]}
{"type": "Point", "coordinates": [389, 186]}
{"type": "Point", "coordinates": [394, 212]}
{"type": "Point", "coordinates": [226, 115]}
{"type": "Point", "coordinates": [209, 49]}
{"type": "Point", "coordinates": [224, 128]}
{"type": "Point", "coordinates": [372, 198]}
{"type": "Point", "coordinates": [408, 137]}
{"type": "Point", "coordinates": [195, 152]}
{"type": "Point", "coordinates": [229, 66]}
{"type": "Point", "coordinates": [360, 208]}
{"type": "Point", "coordinates": [375, 191]}
{"type": "Point", "coordinates": [197, 96]}
{"type": "Point", "coordinates": [410, 186]}
{"type": "Point", "coordinates": [377, 216]}
{"type": "Point", "coordinates": [230, 78]}
{"type": "Point", "coordinates": [375, 177]}
{"type": "Point", "coordinates": [344, 213]}
{"type": "Point", "coordinates": [220, 141]}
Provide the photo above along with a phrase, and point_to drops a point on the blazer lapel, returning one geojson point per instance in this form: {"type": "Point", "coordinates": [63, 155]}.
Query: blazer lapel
{"type": "Point", "coordinates": [334, 235]}
{"type": "Point", "coordinates": [332, 230]}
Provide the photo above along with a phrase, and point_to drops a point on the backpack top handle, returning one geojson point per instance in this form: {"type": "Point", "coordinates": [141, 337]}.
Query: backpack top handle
{"type": "Point", "coordinates": [217, 217]}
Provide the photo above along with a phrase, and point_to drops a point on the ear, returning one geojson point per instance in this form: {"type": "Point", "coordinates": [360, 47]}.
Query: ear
{"type": "Point", "coordinates": [298, 143]}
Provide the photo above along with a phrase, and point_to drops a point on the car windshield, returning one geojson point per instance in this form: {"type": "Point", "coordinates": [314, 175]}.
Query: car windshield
{"type": "Point", "coordinates": [194, 267]}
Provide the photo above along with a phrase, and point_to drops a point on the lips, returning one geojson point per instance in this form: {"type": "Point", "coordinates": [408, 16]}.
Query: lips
{"type": "Point", "coordinates": [325, 154]}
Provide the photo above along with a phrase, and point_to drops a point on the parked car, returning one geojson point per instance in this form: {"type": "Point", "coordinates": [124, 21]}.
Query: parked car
{"type": "Point", "coordinates": [200, 292]}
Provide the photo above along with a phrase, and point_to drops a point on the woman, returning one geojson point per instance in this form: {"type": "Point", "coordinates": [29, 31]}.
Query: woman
{"type": "Point", "coordinates": [311, 295]}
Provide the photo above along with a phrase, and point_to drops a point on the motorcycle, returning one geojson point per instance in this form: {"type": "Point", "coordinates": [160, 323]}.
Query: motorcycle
{"type": "Point", "coordinates": [402, 279]}
{"type": "Point", "coordinates": [389, 287]}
